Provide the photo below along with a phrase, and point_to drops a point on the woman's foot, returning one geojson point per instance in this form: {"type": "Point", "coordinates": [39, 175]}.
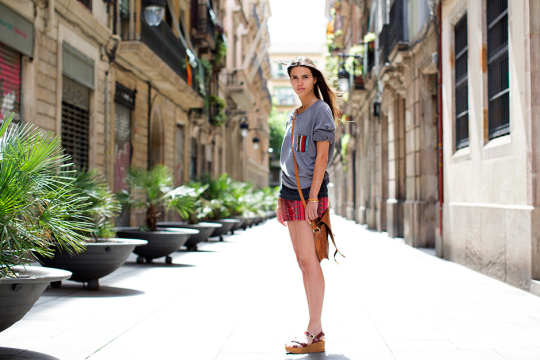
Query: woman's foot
{"type": "Point", "coordinates": [306, 343]}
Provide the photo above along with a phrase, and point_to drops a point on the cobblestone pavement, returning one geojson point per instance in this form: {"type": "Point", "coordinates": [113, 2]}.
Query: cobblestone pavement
{"type": "Point", "coordinates": [242, 298]}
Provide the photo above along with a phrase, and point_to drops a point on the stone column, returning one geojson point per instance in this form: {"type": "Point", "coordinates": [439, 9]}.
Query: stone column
{"type": "Point", "coordinates": [532, 125]}
{"type": "Point", "coordinates": [396, 167]}
{"type": "Point", "coordinates": [382, 172]}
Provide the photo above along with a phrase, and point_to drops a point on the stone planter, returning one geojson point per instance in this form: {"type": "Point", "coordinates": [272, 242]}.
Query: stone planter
{"type": "Point", "coordinates": [18, 295]}
{"type": "Point", "coordinates": [98, 260]}
{"type": "Point", "coordinates": [226, 225]}
{"type": "Point", "coordinates": [205, 230]}
{"type": "Point", "coordinates": [160, 243]}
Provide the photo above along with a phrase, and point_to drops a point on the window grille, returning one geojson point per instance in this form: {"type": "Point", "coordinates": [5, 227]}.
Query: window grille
{"type": "Point", "coordinates": [498, 76]}
{"type": "Point", "coordinates": [75, 121]}
{"type": "Point", "coordinates": [461, 90]}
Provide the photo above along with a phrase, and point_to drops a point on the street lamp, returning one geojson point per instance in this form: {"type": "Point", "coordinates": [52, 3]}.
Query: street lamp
{"type": "Point", "coordinates": [244, 128]}
{"type": "Point", "coordinates": [344, 79]}
{"type": "Point", "coordinates": [256, 142]}
{"type": "Point", "coordinates": [154, 10]}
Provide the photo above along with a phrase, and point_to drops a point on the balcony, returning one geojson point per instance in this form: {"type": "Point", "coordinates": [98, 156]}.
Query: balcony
{"type": "Point", "coordinates": [393, 36]}
{"type": "Point", "coordinates": [397, 30]}
{"type": "Point", "coordinates": [162, 57]}
{"type": "Point", "coordinates": [238, 88]}
{"type": "Point", "coordinates": [203, 29]}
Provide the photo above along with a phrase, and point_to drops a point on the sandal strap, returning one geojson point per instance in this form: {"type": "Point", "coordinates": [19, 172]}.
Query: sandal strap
{"type": "Point", "coordinates": [300, 343]}
{"type": "Point", "coordinates": [313, 337]}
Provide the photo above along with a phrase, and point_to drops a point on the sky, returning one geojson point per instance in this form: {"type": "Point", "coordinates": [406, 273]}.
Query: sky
{"type": "Point", "coordinates": [297, 21]}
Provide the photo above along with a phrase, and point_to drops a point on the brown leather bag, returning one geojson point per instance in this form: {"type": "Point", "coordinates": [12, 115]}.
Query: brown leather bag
{"type": "Point", "coordinates": [321, 226]}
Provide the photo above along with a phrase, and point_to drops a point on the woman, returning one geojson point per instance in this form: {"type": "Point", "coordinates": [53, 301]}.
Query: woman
{"type": "Point", "coordinates": [313, 146]}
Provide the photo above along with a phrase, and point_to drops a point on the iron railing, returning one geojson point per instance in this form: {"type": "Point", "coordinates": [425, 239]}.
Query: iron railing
{"type": "Point", "coordinates": [232, 79]}
{"type": "Point", "coordinates": [397, 30]}
{"type": "Point", "coordinates": [161, 40]}
{"type": "Point", "coordinates": [498, 75]}
{"type": "Point", "coordinates": [383, 45]}
{"type": "Point", "coordinates": [462, 89]}
{"type": "Point", "coordinates": [201, 18]}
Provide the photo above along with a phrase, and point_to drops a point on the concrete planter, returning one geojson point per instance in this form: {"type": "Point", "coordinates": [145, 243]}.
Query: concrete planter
{"type": "Point", "coordinates": [239, 224]}
{"type": "Point", "coordinates": [205, 230]}
{"type": "Point", "coordinates": [18, 295]}
{"type": "Point", "coordinates": [226, 225]}
{"type": "Point", "coordinates": [98, 260]}
{"type": "Point", "coordinates": [160, 243]}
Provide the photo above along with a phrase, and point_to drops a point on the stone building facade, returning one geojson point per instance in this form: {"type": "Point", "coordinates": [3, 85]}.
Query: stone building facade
{"type": "Point", "coordinates": [388, 177]}
{"type": "Point", "coordinates": [442, 148]}
{"type": "Point", "coordinates": [490, 215]}
{"type": "Point", "coordinates": [123, 93]}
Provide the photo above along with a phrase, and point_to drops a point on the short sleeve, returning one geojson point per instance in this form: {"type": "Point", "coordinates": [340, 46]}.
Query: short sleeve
{"type": "Point", "coordinates": [324, 128]}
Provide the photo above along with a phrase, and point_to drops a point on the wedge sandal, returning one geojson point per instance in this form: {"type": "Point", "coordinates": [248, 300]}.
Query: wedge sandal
{"type": "Point", "coordinates": [302, 348]}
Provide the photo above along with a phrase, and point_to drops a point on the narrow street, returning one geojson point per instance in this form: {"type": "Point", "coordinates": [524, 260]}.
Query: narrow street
{"type": "Point", "coordinates": [242, 298]}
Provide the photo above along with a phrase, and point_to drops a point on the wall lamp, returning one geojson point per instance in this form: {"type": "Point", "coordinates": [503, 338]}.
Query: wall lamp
{"type": "Point", "coordinates": [154, 11]}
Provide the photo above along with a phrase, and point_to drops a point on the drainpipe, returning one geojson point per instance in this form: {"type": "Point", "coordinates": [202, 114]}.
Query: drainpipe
{"type": "Point", "coordinates": [50, 17]}
{"type": "Point", "coordinates": [440, 125]}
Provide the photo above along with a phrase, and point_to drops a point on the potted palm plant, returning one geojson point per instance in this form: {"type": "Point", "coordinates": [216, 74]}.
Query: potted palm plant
{"type": "Point", "coordinates": [216, 194]}
{"type": "Point", "coordinates": [36, 215]}
{"type": "Point", "coordinates": [202, 209]}
{"type": "Point", "coordinates": [104, 253]}
{"type": "Point", "coordinates": [155, 184]}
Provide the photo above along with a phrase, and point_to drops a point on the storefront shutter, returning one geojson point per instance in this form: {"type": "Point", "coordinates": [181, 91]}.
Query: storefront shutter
{"type": "Point", "coordinates": [10, 82]}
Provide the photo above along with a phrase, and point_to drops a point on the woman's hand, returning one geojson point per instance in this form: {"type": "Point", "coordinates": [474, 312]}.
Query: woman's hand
{"type": "Point", "coordinates": [311, 211]}
{"type": "Point", "coordinates": [279, 214]}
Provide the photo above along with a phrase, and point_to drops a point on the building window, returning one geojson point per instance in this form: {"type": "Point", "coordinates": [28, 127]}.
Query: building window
{"type": "Point", "coordinates": [124, 103]}
{"type": "Point", "coordinates": [279, 71]}
{"type": "Point", "coordinates": [179, 155]}
{"type": "Point", "coordinates": [498, 76]}
{"type": "Point", "coordinates": [193, 168]}
{"type": "Point", "coordinates": [284, 95]}
{"type": "Point", "coordinates": [75, 121]}
{"type": "Point", "coordinates": [10, 83]}
{"type": "Point", "coordinates": [462, 90]}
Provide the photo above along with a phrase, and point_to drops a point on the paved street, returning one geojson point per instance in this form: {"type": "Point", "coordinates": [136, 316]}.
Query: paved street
{"type": "Point", "coordinates": [241, 298]}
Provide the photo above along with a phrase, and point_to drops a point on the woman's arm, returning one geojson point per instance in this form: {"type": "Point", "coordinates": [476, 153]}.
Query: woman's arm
{"type": "Point", "coordinates": [318, 175]}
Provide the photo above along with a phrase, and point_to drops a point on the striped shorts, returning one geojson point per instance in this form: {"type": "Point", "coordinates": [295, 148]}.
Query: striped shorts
{"type": "Point", "coordinates": [293, 210]}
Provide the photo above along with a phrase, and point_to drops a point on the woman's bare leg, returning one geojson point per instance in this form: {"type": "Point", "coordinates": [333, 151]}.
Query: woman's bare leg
{"type": "Point", "coordinates": [313, 275]}
{"type": "Point", "coordinates": [292, 233]}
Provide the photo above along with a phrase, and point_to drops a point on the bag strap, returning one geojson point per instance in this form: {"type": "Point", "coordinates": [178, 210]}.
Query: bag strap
{"type": "Point", "coordinates": [313, 224]}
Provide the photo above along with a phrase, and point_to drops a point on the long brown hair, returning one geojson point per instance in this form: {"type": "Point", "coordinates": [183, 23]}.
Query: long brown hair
{"type": "Point", "coordinates": [328, 93]}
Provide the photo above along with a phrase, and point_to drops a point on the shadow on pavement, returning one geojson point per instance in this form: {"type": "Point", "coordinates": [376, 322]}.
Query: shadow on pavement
{"type": "Point", "coordinates": [317, 356]}
{"type": "Point", "coordinates": [78, 291]}
{"type": "Point", "coordinates": [20, 354]}
{"type": "Point", "coordinates": [196, 251]}
{"type": "Point", "coordinates": [155, 264]}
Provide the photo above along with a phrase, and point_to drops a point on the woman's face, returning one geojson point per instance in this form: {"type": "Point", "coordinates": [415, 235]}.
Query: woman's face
{"type": "Point", "coordinates": [302, 80]}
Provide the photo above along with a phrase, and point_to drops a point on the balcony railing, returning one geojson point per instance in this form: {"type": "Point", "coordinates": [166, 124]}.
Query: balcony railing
{"type": "Point", "coordinates": [201, 19]}
{"type": "Point", "coordinates": [384, 45]}
{"type": "Point", "coordinates": [161, 40]}
{"type": "Point", "coordinates": [397, 25]}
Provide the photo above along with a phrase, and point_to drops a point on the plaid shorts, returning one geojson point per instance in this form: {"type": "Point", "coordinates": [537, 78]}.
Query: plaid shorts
{"type": "Point", "coordinates": [293, 210]}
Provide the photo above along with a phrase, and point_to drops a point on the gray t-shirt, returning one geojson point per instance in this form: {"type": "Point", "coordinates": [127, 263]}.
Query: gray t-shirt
{"type": "Point", "coordinates": [316, 123]}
